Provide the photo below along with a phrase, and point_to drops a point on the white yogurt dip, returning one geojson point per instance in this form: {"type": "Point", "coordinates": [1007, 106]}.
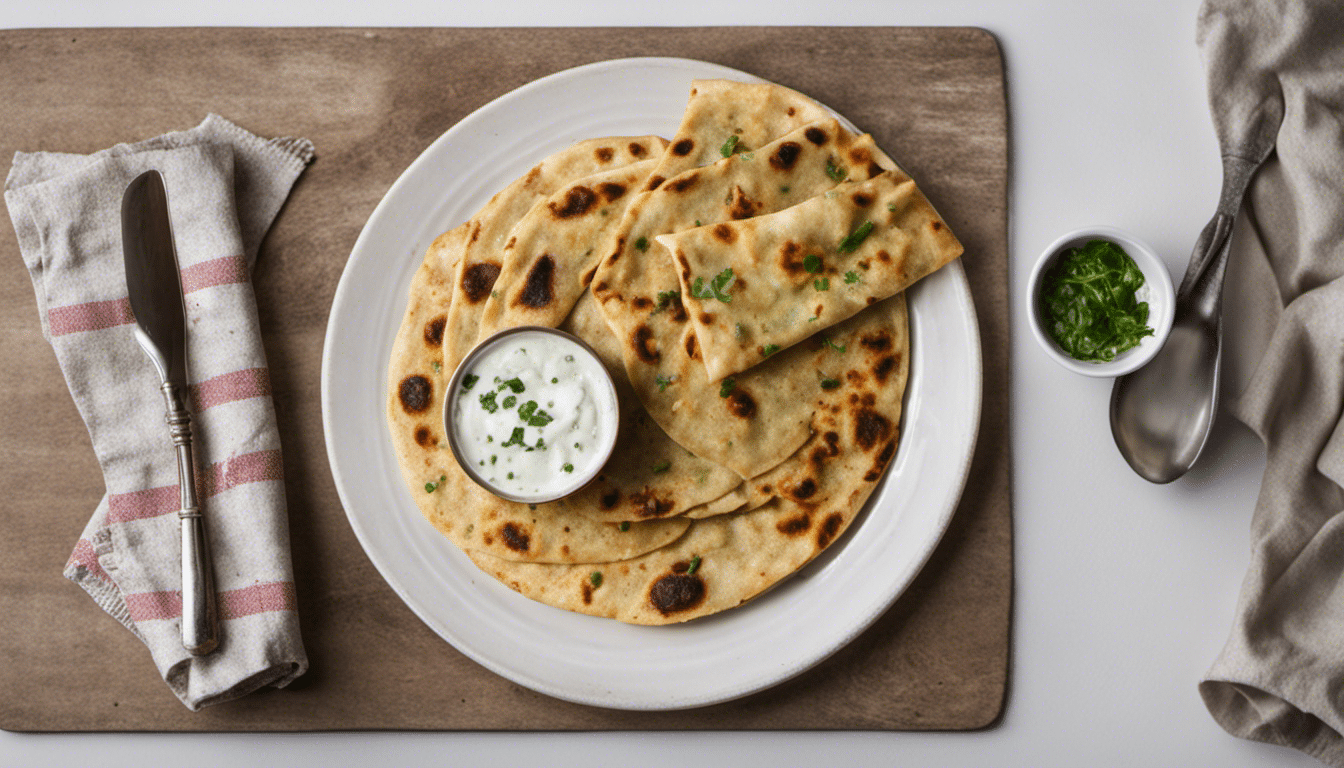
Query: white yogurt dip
{"type": "Point", "coordinates": [533, 415]}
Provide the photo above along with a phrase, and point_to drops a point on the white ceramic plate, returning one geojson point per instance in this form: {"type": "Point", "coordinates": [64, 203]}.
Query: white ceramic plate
{"type": "Point", "coordinates": [581, 658]}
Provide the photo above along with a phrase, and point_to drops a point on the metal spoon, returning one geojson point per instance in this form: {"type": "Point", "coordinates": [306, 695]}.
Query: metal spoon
{"type": "Point", "coordinates": [1161, 414]}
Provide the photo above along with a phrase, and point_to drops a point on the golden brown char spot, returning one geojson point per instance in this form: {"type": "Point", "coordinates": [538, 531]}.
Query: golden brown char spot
{"type": "Point", "coordinates": [803, 490]}
{"type": "Point", "coordinates": [586, 588]}
{"type": "Point", "coordinates": [872, 299]}
{"type": "Point", "coordinates": [588, 276]}
{"type": "Point", "coordinates": [861, 199]}
{"type": "Point", "coordinates": [654, 183]}
{"type": "Point", "coordinates": [741, 404]}
{"type": "Point", "coordinates": [707, 318]}
{"type": "Point", "coordinates": [578, 201]}
{"type": "Point", "coordinates": [870, 428]}
{"type": "Point", "coordinates": [478, 279]}
{"type": "Point", "coordinates": [604, 154]}
{"type": "Point", "coordinates": [832, 441]}
{"type": "Point", "coordinates": [855, 377]}
{"type": "Point", "coordinates": [787, 154]}
{"type": "Point", "coordinates": [683, 148]}
{"type": "Point", "coordinates": [646, 504]}
{"type": "Point", "coordinates": [828, 529]}
{"type": "Point", "coordinates": [880, 463]}
{"type": "Point", "coordinates": [742, 207]}
{"type": "Point", "coordinates": [676, 592]}
{"type": "Point", "coordinates": [875, 170]}
{"type": "Point", "coordinates": [725, 233]}
{"type": "Point", "coordinates": [860, 155]}
{"type": "Point", "coordinates": [792, 111]}
{"type": "Point", "coordinates": [641, 302]}
{"type": "Point", "coordinates": [611, 191]}
{"type": "Point", "coordinates": [434, 331]}
{"type": "Point", "coordinates": [644, 344]}
{"type": "Point", "coordinates": [515, 537]}
{"type": "Point", "coordinates": [878, 342]}
{"type": "Point", "coordinates": [531, 176]}
{"type": "Point", "coordinates": [415, 393]}
{"type": "Point", "coordinates": [423, 437]}
{"type": "Point", "coordinates": [884, 368]}
{"type": "Point", "coordinates": [511, 242]}
{"type": "Point", "coordinates": [611, 498]}
{"type": "Point", "coordinates": [794, 526]}
{"type": "Point", "coordinates": [684, 182]}
{"type": "Point", "coordinates": [935, 225]}
{"type": "Point", "coordinates": [692, 347]}
{"type": "Point", "coordinates": [816, 135]}
{"type": "Point", "coordinates": [884, 257]}
{"type": "Point", "coordinates": [475, 233]}
{"type": "Point", "coordinates": [539, 287]}
{"type": "Point", "coordinates": [791, 257]}
{"type": "Point", "coordinates": [637, 149]}
{"type": "Point", "coordinates": [676, 310]}
{"type": "Point", "coordinates": [685, 265]}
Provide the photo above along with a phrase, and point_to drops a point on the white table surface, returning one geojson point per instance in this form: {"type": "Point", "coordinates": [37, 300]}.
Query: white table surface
{"type": "Point", "coordinates": [1124, 591]}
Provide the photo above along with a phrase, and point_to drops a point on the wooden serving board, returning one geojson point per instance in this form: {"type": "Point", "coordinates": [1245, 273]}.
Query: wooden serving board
{"type": "Point", "coordinates": [371, 101]}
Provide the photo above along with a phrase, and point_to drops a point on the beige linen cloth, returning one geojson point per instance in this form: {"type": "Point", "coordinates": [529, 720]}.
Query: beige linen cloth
{"type": "Point", "coordinates": [224, 185]}
{"type": "Point", "coordinates": [1280, 678]}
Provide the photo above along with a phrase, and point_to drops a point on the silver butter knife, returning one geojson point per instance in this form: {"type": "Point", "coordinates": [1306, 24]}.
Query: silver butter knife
{"type": "Point", "coordinates": [160, 320]}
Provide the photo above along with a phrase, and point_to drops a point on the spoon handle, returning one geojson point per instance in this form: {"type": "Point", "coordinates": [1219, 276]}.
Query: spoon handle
{"type": "Point", "coordinates": [1201, 289]}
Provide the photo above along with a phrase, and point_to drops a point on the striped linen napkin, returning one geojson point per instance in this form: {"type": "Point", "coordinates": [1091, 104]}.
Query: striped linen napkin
{"type": "Point", "coordinates": [225, 185]}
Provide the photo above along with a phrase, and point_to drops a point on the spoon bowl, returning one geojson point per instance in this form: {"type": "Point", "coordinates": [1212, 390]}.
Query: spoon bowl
{"type": "Point", "coordinates": [1161, 419]}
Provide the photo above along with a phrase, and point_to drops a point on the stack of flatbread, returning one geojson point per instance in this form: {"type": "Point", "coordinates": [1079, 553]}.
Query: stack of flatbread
{"type": "Point", "coordinates": [743, 284]}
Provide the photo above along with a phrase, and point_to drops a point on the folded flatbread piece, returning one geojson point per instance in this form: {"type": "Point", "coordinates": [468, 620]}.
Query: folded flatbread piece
{"type": "Point", "coordinates": [749, 115]}
{"type": "Point", "coordinates": [489, 230]}
{"type": "Point", "coordinates": [756, 287]}
{"type": "Point", "coordinates": [552, 252]}
{"type": "Point", "coordinates": [768, 415]}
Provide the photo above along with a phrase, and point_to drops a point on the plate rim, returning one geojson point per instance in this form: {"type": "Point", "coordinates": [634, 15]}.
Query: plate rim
{"type": "Point", "coordinates": [386, 571]}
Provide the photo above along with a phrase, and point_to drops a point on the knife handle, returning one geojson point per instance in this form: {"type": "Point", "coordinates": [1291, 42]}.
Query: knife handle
{"type": "Point", "coordinates": [200, 620]}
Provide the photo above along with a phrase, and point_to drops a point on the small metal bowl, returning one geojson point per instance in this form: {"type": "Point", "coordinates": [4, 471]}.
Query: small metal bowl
{"type": "Point", "coordinates": [1161, 298]}
{"type": "Point", "coordinates": [580, 481]}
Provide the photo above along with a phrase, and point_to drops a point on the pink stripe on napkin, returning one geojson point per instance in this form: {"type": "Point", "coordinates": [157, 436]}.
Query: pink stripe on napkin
{"type": "Point", "coordinates": [258, 598]}
{"type": "Point", "coordinates": [233, 604]}
{"type": "Point", "coordinates": [247, 468]}
{"type": "Point", "coordinates": [230, 387]}
{"type": "Point", "coordinates": [139, 505]}
{"type": "Point", "coordinates": [221, 271]}
{"type": "Point", "coordinates": [89, 316]}
{"type": "Point", "coordinates": [150, 606]}
{"type": "Point", "coordinates": [97, 315]}
{"type": "Point", "coordinates": [86, 558]}
{"type": "Point", "coordinates": [153, 502]}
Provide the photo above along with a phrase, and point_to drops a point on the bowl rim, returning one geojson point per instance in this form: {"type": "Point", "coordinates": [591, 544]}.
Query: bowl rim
{"type": "Point", "coordinates": [1161, 301]}
{"type": "Point", "coordinates": [455, 381]}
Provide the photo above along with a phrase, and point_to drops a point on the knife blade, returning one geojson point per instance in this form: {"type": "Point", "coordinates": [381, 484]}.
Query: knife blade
{"type": "Point", "coordinates": [155, 287]}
